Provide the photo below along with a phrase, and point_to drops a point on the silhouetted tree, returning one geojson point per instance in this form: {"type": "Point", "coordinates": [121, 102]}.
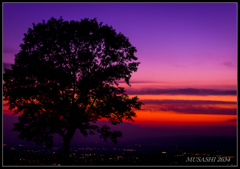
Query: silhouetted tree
{"type": "Point", "coordinates": [65, 78]}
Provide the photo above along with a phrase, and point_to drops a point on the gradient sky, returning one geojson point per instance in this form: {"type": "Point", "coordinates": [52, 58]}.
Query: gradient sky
{"type": "Point", "coordinates": [188, 55]}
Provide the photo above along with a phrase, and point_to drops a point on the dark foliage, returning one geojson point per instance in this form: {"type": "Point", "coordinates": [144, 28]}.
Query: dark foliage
{"type": "Point", "coordinates": [65, 78]}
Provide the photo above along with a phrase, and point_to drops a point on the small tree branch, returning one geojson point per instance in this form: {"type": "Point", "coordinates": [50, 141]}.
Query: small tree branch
{"type": "Point", "coordinates": [91, 105]}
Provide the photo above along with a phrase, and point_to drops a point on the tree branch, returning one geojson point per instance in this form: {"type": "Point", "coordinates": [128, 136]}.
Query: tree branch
{"type": "Point", "coordinates": [92, 104]}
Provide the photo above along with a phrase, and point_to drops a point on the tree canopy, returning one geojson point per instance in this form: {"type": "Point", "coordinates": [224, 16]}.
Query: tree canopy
{"type": "Point", "coordinates": [66, 77]}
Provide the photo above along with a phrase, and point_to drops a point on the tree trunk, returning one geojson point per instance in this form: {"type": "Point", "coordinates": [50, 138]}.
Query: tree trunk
{"type": "Point", "coordinates": [66, 147]}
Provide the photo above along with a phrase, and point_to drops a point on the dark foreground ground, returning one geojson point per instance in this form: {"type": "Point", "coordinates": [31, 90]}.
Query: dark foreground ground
{"type": "Point", "coordinates": [20, 155]}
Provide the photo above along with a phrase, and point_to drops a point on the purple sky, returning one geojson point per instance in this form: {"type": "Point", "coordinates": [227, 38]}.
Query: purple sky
{"type": "Point", "coordinates": [177, 42]}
